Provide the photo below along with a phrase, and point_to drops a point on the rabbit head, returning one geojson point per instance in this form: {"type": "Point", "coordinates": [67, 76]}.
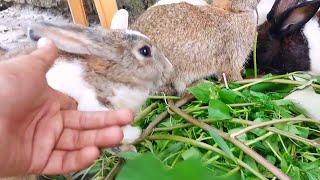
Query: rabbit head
{"type": "Point", "coordinates": [122, 55]}
{"type": "Point", "coordinates": [283, 45]}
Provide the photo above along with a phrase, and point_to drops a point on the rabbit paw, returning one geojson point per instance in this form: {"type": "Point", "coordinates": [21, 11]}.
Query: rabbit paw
{"type": "Point", "coordinates": [180, 87]}
{"type": "Point", "coordinates": [130, 134]}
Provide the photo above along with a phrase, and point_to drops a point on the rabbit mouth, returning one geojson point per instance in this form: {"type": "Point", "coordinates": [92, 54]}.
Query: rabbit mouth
{"type": "Point", "coordinates": [164, 78]}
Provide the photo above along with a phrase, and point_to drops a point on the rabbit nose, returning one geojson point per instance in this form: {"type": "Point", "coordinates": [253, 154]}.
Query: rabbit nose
{"type": "Point", "coordinates": [32, 35]}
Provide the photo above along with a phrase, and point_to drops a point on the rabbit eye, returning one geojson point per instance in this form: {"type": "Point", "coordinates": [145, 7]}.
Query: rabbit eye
{"type": "Point", "coordinates": [145, 51]}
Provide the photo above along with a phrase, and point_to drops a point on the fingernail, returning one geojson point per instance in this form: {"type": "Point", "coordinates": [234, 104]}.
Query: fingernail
{"type": "Point", "coordinates": [43, 42]}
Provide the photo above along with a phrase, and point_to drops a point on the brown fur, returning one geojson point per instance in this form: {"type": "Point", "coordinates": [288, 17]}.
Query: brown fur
{"type": "Point", "coordinates": [225, 5]}
{"type": "Point", "coordinates": [201, 41]}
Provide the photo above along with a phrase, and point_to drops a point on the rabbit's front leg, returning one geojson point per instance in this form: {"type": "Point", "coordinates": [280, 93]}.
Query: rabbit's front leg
{"type": "Point", "coordinates": [130, 135]}
{"type": "Point", "coordinates": [180, 86]}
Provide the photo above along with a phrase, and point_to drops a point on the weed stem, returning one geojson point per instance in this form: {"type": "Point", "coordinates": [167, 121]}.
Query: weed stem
{"type": "Point", "coordinates": [146, 111]}
{"type": "Point", "coordinates": [257, 81]}
{"type": "Point", "coordinates": [250, 82]}
{"type": "Point", "coordinates": [273, 122]}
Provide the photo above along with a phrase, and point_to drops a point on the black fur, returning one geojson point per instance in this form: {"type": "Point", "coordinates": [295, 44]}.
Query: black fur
{"type": "Point", "coordinates": [272, 12]}
{"type": "Point", "coordinates": [282, 46]}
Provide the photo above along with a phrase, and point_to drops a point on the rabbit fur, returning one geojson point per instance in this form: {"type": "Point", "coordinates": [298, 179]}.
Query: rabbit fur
{"type": "Point", "coordinates": [201, 40]}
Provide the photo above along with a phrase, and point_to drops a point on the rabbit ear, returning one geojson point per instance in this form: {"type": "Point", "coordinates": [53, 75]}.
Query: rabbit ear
{"type": "Point", "coordinates": [73, 39]}
{"type": "Point", "coordinates": [294, 18]}
{"type": "Point", "coordinates": [273, 10]}
{"type": "Point", "coordinates": [120, 20]}
{"type": "Point", "coordinates": [279, 7]}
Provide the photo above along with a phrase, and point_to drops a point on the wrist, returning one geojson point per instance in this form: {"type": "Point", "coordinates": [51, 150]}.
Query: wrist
{"type": "Point", "coordinates": [4, 146]}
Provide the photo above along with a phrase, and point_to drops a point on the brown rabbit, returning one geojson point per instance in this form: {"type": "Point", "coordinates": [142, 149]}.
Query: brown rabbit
{"type": "Point", "coordinates": [201, 40]}
{"type": "Point", "coordinates": [103, 70]}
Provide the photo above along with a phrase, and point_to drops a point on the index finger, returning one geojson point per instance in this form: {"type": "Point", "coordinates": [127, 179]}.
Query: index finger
{"type": "Point", "coordinates": [96, 120]}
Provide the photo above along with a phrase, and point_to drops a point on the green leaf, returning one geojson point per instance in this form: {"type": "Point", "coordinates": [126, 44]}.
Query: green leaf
{"type": "Point", "coordinates": [190, 170]}
{"type": "Point", "coordinates": [222, 144]}
{"type": "Point", "coordinates": [143, 168]}
{"type": "Point", "coordinates": [271, 159]}
{"type": "Point", "coordinates": [202, 91]}
{"type": "Point", "coordinates": [295, 173]}
{"type": "Point", "coordinates": [249, 73]}
{"type": "Point", "coordinates": [191, 153]}
{"type": "Point", "coordinates": [259, 131]}
{"type": "Point", "coordinates": [311, 176]}
{"type": "Point", "coordinates": [267, 76]}
{"type": "Point", "coordinates": [173, 148]}
{"type": "Point", "coordinates": [148, 144]}
{"type": "Point", "coordinates": [283, 102]}
{"type": "Point", "coordinates": [293, 129]}
{"type": "Point", "coordinates": [148, 167]}
{"type": "Point", "coordinates": [248, 160]}
{"type": "Point", "coordinates": [284, 165]}
{"type": "Point", "coordinates": [272, 87]}
{"type": "Point", "coordinates": [242, 137]}
{"type": "Point", "coordinates": [219, 110]}
{"type": "Point", "coordinates": [228, 96]}
{"type": "Point", "coordinates": [128, 155]}
{"type": "Point", "coordinates": [311, 158]}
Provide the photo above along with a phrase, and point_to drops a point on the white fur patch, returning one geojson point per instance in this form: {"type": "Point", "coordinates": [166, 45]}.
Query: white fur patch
{"type": "Point", "coordinates": [264, 8]}
{"type": "Point", "coordinates": [193, 2]}
{"type": "Point", "coordinates": [312, 33]}
{"type": "Point", "coordinates": [126, 97]}
{"type": "Point", "coordinates": [130, 134]}
{"type": "Point", "coordinates": [66, 77]}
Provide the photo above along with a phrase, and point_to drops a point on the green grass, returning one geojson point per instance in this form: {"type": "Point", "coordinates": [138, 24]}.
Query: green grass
{"type": "Point", "coordinates": [207, 134]}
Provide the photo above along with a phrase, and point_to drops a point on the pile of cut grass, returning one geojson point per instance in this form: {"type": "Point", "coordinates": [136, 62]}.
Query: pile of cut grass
{"type": "Point", "coordinates": [245, 129]}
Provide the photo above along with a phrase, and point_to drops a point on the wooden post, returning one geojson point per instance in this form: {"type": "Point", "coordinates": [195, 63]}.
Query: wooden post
{"type": "Point", "coordinates": [106, 9]}
{"type": "Point", "coordinates": [77, 11]}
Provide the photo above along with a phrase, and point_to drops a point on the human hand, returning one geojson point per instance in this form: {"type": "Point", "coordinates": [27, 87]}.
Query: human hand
{"type": "Point", "coordinates": [40, 131]}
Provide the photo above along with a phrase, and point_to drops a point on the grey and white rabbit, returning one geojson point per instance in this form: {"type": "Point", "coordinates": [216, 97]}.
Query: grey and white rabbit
{"type": "Point", "coordinates": [289, 40]}
{"type": "Point", "coordinates": [200, 39]}
{"type": "Point", "coordinates": [104, 70]}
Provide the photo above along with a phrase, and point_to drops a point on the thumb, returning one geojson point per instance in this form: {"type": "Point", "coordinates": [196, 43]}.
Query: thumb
{"type": "Point", "coordinates": [46, 53]}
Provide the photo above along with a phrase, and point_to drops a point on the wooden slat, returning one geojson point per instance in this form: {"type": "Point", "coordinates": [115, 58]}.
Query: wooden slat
{"type": "Point", "coordinates": [106, 9]}
{"type": "Point", "coordinates": [78, 13]}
